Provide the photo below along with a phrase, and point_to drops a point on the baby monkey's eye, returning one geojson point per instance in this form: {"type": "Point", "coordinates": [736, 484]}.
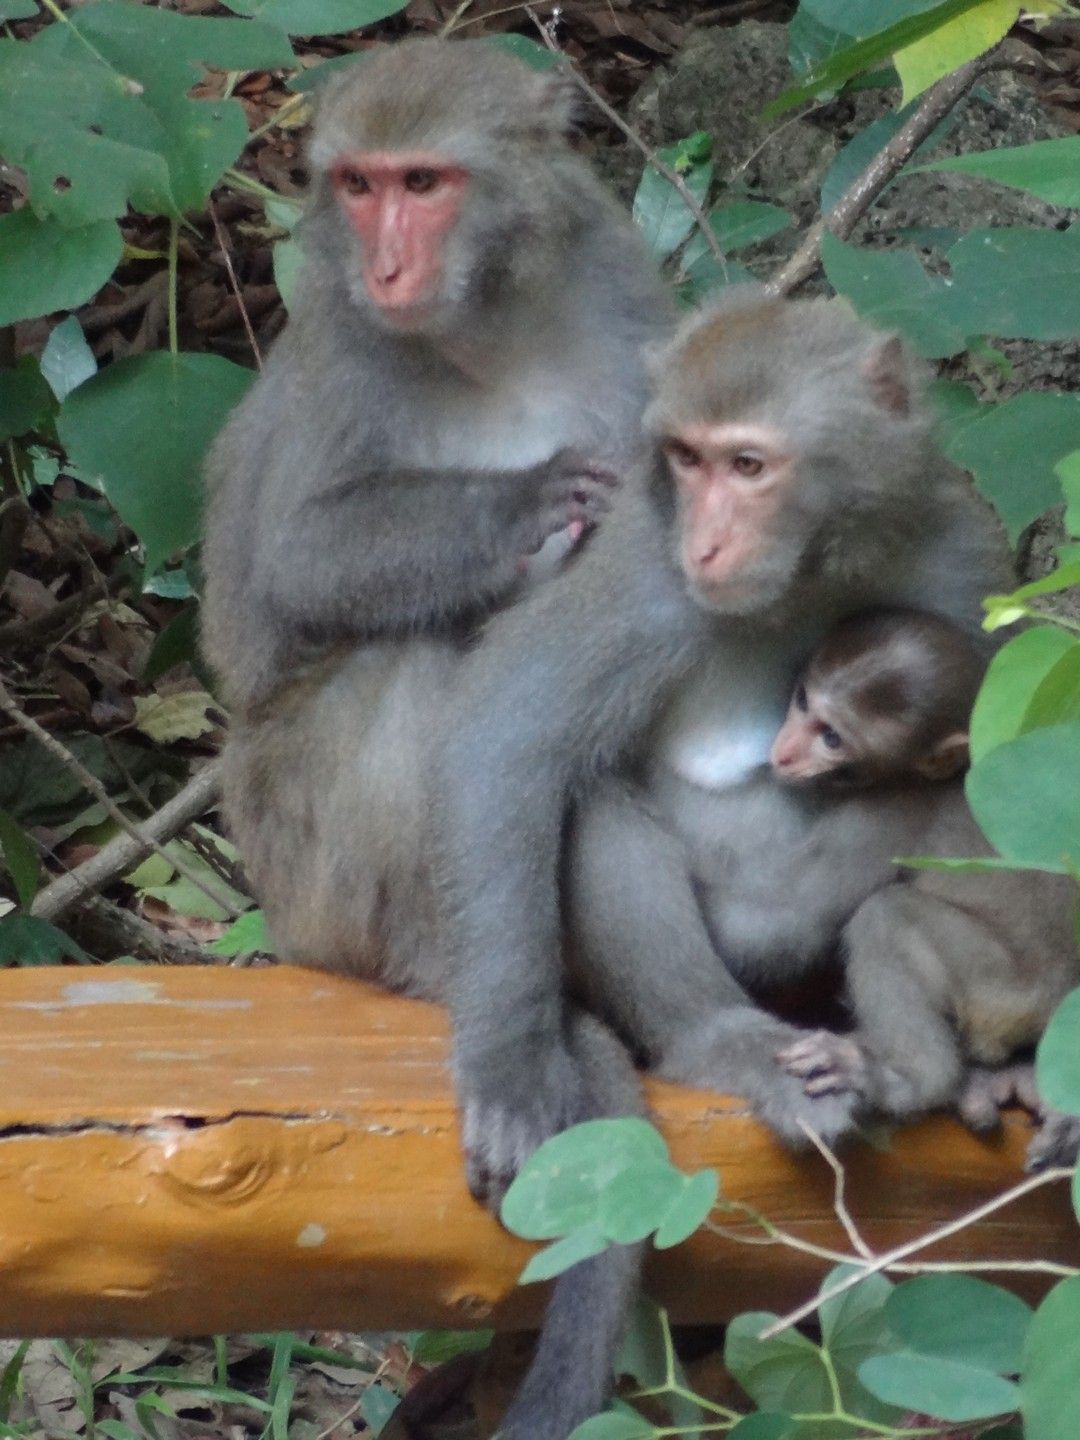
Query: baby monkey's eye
{"type": "Point", "coordinates": [353, 182]}
{"type": "Point", "coordinates": [680, 453]}
{"type": "Point", "coordinates": [747, 465]}
{"type": "Point", "coordinates": [800, 698]}
{"type": "Point", "coordinates": [830, 739]}
{"type": "Point", "coordinates": [421, 181]}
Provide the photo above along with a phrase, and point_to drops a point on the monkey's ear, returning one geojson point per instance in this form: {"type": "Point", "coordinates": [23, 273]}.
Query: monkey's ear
{"type": "Point", "coordinates": [559, 99]}
{"type": "Point", "coordinates": [949, 757]}
{"type": "Point", "coordinates": [888, 372]}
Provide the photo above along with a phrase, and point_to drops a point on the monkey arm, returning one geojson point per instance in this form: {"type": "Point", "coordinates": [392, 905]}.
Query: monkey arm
{"type": "Point", "coordinates": [392, 552]}
{"type": "Point", "coordinates": [562, 684]}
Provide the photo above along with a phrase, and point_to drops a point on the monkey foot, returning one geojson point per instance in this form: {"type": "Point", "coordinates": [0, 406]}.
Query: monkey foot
{"type": "Point", "coordinates": [1056, 1142]}
{"type": "Point", "coordinates": [986, 1092]}
{"type": "Point", "coordinates": [827, 1064]}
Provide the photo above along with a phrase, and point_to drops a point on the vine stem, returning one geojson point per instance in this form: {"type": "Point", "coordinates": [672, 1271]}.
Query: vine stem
{"type": "Point", "coordinates": [889, 1258]}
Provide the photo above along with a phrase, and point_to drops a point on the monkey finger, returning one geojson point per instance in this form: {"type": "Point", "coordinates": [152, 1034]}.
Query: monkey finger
{"type": "Point", "coordinates": [829, 1082]}
{"type": "Point", "coordinates": [1056, 1142]}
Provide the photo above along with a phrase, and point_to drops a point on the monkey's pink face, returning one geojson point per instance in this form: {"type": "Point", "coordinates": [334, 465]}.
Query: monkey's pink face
{"type": "Point", "coordinates": [732, 481]}
{"type": "Point", "coordinates": [807, 745]}
{"type": "Point", "coordinates": [401, 205]}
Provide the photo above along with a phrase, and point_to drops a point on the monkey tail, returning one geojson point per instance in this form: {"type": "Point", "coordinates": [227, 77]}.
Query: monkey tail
{"type": "Point", "coordinates": [572, 1370]}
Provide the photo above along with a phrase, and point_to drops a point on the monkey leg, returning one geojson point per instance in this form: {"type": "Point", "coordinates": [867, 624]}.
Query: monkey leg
{"type": "Point", "coordinates": [573, 1368]}
{"type": "Point", "coordinates": [642, 956]}
{"type": "Point", "coordinates": [899, 946]}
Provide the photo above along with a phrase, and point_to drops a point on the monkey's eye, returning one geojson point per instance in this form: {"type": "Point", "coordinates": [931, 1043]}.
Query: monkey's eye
{"type": "Point", "coordinates": [353, 182]}
{"type": "Point", "coordinates": [679, 453]}
{"type": "Point", "coordinates": [801, 701]}
{"type": "Point", "coordinates": [747, 465]}
{"type": "Point", "coordinates": [830, 739]}
{"type": "Point", "coordinates": [421, 181]}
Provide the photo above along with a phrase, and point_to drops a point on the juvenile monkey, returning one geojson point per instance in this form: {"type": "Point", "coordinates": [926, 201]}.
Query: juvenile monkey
{"type": "Point", "coordinates": [944, 970]}
{"type": "Point", "coordinates": [459, 381]}
{"type": "Point", "coordinates": [792, 481]}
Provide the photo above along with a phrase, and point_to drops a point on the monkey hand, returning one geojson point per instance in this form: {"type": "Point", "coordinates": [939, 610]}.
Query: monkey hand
{"type": "Point", "coordinates": [827, 1064]}
{"type": "Point", "coordinates": [735, 1050]}
{"type": "Point", "coordinates": [567, 493]}
{"type": "Point", "coordinates": [503, 1120]}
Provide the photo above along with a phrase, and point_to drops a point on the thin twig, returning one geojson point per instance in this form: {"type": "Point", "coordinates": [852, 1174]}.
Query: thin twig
{"type": "Point", "coordinates": [125, 851]}
{"type": "Point", "coordinates": [132, 931]}
{"type": "Point", "coordinates": [890, 1258]}
{"type": "Point", "coordinates": [851, 1230]}
{"type": "Point", "coordinates": [674, 179]}
{"type": "Point", "coordinates": [885, 166]}
{"type": "Point", "coordinates": [90, 782]}
{"type": "Point", "coordinates": [223, 245]}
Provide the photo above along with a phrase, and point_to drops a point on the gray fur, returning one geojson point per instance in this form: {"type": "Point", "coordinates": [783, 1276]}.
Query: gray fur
{"type": "Point", "coordinates": [652, 676]}
{"type": "Point", "coordinates": [370, 501]}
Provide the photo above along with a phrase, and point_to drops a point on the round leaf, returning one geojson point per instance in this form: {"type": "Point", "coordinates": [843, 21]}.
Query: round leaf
{"type": "Point", "coordinates": [783, 1374]}
{"type": "Point", "coordinates": [1057, 1062]}
{"type": "Point", "coordinates": [582, 1244]}
{"type": "Point", "coordinates": [1025, 795]}
{"type": "Point", "coordinates": [621, 1424]}
{"type": "Point", "coordinates": [143, 426]}
{"type": "Point", "coordinates": [765, 1425]}
{"type": "Point", "coordinates": [559, 1187]}
{"type": "Point", "coordinates": [317, 17]}
{"type": "Point", "coordinates": [1014, 675]}
{"type": "Point", "coordinates": [67, 359]}
{"type": "Point", "coordinates": [45, 267]}
{"type": "Point", "coordinates": [943, 1388]}
{"type": "Point", "coordinates": [960, 1317]}
{"type": "Point", "coordinates": [635, 1202]}
{"type": "Point", "coordinates": [688, 1209]}
{"type": "Point", "coordinates": [1049, 1393]}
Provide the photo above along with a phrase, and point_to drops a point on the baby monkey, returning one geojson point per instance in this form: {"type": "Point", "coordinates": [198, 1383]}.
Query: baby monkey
{"type": "Point", "coordinates": [950, 975]}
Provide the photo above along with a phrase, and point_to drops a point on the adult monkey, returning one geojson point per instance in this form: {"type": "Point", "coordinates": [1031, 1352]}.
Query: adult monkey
{"type": "Point", "coordinates": [460, 375]}
{"type": "Point", "coordinates": [793, 481]}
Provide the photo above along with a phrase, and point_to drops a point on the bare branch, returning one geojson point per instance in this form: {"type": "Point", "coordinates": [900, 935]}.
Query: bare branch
{"type": "Point", "coordinates": [885, 166]}
{"type": "Point", "coordinates": [674, 179]}
{"type": "Point", "coordinates": [125, 851]}
{"type": "Point", "coordinates": [843, 1214]}
{"type": "Point", "coordinates": [889, 1259]}
{"type": "Point", "coordinates": [234, 285]}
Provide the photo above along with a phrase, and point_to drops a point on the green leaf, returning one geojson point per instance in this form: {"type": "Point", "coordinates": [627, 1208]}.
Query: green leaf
{"type": "Point", "coordinates": [1014, 676]}
{"type": "Point", "coordinates": [688, 1209]}
{"type": "Point", "coordinates": [1057, 697]}
{"type": "Point", "coordinates": [560, 1185]}
{"type": "Point", "coordinates": [436, 1347]}
{"type": "Point", "coordinates": [867, 53]}
{"type": "Point", "coordinates": [621, 1424]}
{"type": "Point", "coordinates": [765, 1425]}
{"type": "Point", "coordinates": [960, 1317]}
{"type": "Point", "coordinates": [529, 52]}
{"type": "Point", "coordinates": [25, 399]}
{"type": "Point", "coordinates": [943, 1388]}
{"type": "Point", "coordinates": [377, 1404]}
{"type": "Point", "coordinates": [17, 9]}
{"type": "Point", "coordinates": [1017, 283]}
{"type": "Point", "coordinates": [1049, 1393]}
{"type": "Point", "coordinates": [311, 79]}
{"type": "Point", "coordinates": [1049, 169]}
{"type": "Point", "coordinates": [20, 858]}
{"type": "Point", "coordinates": [634, 1203]}
{"type": "Point", "coordinates": [177, 644]}
{"type": "Point", "coordinates": [864, 17]}
{"type": "Point", "coordinates": [244, 936]}
{"type": "Point", "coordinates": [1057, 1061]}
{"type": "Point", "coordinates": [891, 289]}
{"type": "Point", "coordinates": [1025, 796]}
{"type": "Point", "coordinates": [659, 210]}
{"type": "Point", "coordinates": [783, 1374]}
{"type": "Point", "coordinates": [105, 119]}
{"type": "Point", "coordinates": [811, 44]}
{"type": "Point", "coordinates": [67, 359]}
{"type": "Point", "coordinates": [580, 1244]}
{"type": "Point", "coordinates": [26, 940]}
{"type": "Point", "coordinates": [953, 44]}
{"type": "Point", "coordinates": [865, 144]}
{"type": "Point", "coordinates": [318, 17]}
{"type": "Point", "coordinates": [45, 267]}
{"type": "Point", "coordinates": [736, 226]}
{"type": "Point", "coordinates": [287, 257]}
{"type": "Point", "coordinates": [1012, 449]}
{"type": "Point", "coordinates": [143, 426]}
{"type": "Point", "coordinates": [182, 715]}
